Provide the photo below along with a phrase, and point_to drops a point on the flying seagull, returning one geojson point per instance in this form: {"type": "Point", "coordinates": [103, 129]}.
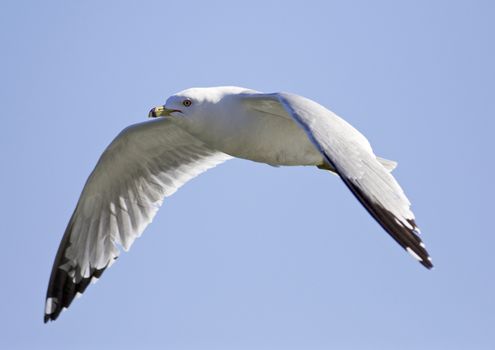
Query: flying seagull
{"type": "Point", "coordinates": [194, 131]}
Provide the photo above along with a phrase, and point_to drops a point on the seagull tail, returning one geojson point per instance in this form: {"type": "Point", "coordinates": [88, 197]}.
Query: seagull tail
{"type": "Point", "coordinates": [390, 165]}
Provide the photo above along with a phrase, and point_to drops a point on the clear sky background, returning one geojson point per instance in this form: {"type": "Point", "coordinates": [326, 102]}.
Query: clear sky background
{"type": "Point", "coordinates": [248, 256]}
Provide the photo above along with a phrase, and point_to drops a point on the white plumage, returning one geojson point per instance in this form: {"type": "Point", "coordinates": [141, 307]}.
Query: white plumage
{"type": "Point", "coordinates": [200, 129]}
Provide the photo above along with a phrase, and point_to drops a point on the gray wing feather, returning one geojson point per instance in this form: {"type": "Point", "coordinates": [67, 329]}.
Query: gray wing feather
{"type": "Point", "coordinates": [145, 163]}
{"type": "Point", "coordinates": [350, 153]}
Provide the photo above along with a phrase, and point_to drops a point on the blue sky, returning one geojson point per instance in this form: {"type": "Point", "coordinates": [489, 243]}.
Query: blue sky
{"type": "Point", "coordinates": [249, 256]}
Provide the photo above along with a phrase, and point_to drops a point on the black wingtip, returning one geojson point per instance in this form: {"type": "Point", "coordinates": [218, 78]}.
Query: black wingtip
{"type": "Point", "coordinates": [63, 287]}
{"type": "Point", "coordinates": [63, 290]}
{"type": "Point", "coordinates": [427, 263]}
{"type": "Point", "coordinates": [48, 318]}
{"type": "Point", "coordinates": [407, 235]}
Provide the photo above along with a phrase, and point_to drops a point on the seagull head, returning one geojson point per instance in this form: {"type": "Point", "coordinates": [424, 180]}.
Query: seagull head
{"type": "Point", "coordinates": [176, 106]}
{"type": "Point", "coordinates": [195, 102]}
{"type": "Point", "coordinates": [186, 104]}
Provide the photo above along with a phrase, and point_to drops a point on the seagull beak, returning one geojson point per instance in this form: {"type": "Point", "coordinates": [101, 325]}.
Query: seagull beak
{"type": "Point", "coordinates": [160, 111]}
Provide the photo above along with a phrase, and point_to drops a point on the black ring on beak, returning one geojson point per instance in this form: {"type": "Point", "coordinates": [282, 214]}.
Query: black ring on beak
{"type": "Point", "coordinates": [152, 113]}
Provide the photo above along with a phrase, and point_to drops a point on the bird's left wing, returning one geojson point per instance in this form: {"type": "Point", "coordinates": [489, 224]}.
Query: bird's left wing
{"type": "Point", "coordinates": [348, 152]}
{"type": "Point", "coordinates": [145, 163]}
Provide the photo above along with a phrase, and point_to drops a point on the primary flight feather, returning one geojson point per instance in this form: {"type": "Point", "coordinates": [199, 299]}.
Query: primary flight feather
{"type": "Point", "coordinates": [194, 131]}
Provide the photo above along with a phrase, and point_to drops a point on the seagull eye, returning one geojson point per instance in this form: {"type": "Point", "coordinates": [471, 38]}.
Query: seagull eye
{"type": "Point", "coordinates": [187, 103]}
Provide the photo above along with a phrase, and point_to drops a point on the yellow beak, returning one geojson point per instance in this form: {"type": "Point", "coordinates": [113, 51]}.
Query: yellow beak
{"type": "Point", "coordinates": [160, 111]}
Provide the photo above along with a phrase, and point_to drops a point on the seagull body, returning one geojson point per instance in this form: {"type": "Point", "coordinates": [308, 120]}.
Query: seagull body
{"type": "Point", "coordinates": [250, 133]}
{"type": "Point", "coordinates": [198, 129]}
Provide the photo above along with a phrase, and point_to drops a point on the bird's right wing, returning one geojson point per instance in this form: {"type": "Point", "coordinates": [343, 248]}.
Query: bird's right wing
{"type": "Point", "coordinates": [145, 163]}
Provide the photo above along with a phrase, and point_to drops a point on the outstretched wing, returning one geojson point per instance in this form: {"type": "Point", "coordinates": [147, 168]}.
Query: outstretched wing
{"type": "Point", "coordinates": [145, 163]}
{"type": "Point", "coordinates": [348, 152]}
